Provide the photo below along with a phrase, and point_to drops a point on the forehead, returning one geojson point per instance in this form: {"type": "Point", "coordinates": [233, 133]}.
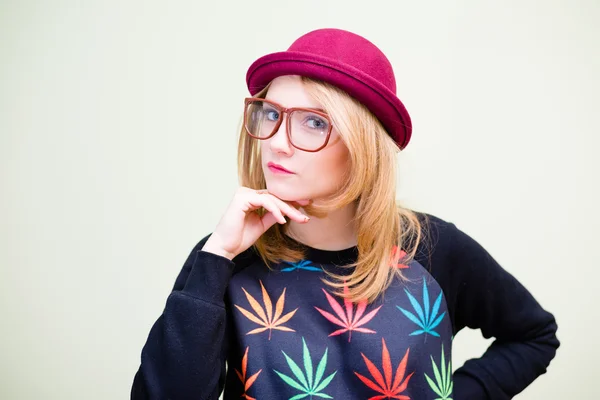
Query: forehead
{"type": "Point", "coordinates": [289, 91]}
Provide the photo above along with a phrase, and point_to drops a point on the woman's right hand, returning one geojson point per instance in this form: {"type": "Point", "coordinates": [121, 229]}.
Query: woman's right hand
{"type": "Point", "coordinates": [240, 226]}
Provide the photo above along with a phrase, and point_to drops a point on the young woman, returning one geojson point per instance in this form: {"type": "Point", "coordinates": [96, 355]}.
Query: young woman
{"type": "Point", "coordinates": [315, 283]}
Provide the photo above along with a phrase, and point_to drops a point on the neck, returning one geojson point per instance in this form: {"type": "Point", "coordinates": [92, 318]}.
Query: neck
{"type": "Point", "coordinates": [336, 231]}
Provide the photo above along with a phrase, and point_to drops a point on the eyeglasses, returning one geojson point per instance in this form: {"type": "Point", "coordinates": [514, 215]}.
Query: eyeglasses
{"type": "Point", "coordinates": [307, 129]}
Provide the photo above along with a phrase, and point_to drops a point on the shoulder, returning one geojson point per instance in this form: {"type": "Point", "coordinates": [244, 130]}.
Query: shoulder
{"type": "Point", "coordinates": [446, 252]}
{"type": "Point", "coordinates": [437, 236]}
{"type": "Point", "coordinates": [448, 247]}
{"type": "Point", "coordinates": [434, 222]}
{"type": "Point", "coordinates": [444, 248]}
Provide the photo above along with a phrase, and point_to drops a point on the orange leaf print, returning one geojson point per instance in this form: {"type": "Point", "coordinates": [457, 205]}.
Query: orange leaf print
{"type": "Point", "coordinates": [267, 320]}
{"type": "Point", "coordinates": [383, 382]}
{"type": "Point", "coordinates": [242, 375]}
{"type": "Point", "coordinates": [397, 257]}
{"type": "Point", "coordinates": [348, 320]}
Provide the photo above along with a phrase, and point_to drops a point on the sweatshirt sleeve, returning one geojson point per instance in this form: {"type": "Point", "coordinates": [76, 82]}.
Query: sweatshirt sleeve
{"type": "Point", "coordinates": [482, 295]}
{"type": "Point", "coordinates": [185, 353]}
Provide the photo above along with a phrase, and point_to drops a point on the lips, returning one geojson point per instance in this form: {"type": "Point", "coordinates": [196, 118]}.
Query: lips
{"type": "Point", "coordinates": [278, 168]}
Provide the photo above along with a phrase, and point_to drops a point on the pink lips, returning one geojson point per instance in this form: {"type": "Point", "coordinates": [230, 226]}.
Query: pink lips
{"type": "Point", "coordinates": [278, 169]}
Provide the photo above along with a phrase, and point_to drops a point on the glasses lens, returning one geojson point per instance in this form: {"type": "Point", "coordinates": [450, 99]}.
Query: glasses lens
{"type": "Point", "coordinates": [308, 130]}
{"type": "Point", "coordinates": [261, 118]}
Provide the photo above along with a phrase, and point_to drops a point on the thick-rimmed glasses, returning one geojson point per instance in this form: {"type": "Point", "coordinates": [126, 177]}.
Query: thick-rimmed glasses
{"type": "Point", "coordinates": [307, 129]}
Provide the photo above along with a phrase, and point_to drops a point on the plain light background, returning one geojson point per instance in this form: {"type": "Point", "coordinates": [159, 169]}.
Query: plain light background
{"type": "Point", "coordinates": [118, 129]}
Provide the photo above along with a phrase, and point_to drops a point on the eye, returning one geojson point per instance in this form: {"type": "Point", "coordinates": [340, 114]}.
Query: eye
{"type": "Point", "coordinates": [315, 122]}
{"type": "Point", "coordinates": [271, 114]}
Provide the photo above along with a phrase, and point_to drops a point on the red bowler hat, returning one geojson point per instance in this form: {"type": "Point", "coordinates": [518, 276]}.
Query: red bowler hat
{"type": "Point", "coordinates": [346, 60]}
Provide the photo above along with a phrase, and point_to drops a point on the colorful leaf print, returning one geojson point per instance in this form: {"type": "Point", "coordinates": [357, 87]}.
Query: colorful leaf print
{"type": "Point", "coordinates": [383, 382]}
{"type": "Point", "coordinates": [442, 386]}
{"type": "Point", "coordinates": [310, 381]}
{"type": "Point", "coordinates": [397, 258]}
{"type": "Point", "coordinates": [265, 317]}
{"type": "Point", "coordinates": [304, 264]}
{"type": "Point", "coordinates": [425, 318]}
{"type": "Point", "coordinates": [246, 382]}
{"type": "Point", "coordinates": [348, 320]}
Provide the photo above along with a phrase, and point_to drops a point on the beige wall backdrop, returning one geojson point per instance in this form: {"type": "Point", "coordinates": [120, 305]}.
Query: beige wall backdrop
{"type": "Point", "coordinates": [118, 125]}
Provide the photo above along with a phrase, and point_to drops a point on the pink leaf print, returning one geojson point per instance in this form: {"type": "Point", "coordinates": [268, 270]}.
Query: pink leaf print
{"type": "Point", "coordinates": [397, 256]}
{"type": "Point", "coordinates": [348, 319]}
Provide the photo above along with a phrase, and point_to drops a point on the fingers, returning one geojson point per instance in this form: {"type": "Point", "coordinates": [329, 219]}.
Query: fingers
{"type": "Point", "coordinates": [261, 200]}
{"type": "Point", "coordinates": [268, 220]}
{"type": "Point", "coordinates": [277, 207]}
{"type": "Point", "coordinates": [288, 209]}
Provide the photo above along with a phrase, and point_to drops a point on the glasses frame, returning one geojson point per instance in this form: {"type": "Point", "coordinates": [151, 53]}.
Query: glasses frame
{"type": "Point", "coordinates": [283, 110]}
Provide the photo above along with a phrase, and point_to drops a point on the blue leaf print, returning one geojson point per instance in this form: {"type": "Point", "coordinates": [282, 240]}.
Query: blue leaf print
{"type": "Point", "coordinates": [426, 318]}
{"type": "Point", "coordinates": [304, 264]}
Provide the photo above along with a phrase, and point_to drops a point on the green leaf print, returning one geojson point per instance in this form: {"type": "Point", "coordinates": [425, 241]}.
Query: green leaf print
{"type": "Point", "coordinates": [442, 386]}
{"type": "Point", "coordinates": [309, 381]}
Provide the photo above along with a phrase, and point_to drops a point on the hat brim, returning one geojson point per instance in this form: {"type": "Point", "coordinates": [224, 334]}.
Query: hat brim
{"type": "Point", "coordinates": [381, 101]}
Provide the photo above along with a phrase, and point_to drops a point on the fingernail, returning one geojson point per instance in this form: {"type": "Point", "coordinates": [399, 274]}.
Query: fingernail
{"type": "Point", "coordinates": [306, 219]}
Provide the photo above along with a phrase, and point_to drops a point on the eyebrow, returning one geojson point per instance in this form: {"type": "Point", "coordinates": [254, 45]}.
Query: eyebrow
{"type": "Point", "coordinates": [309, 108]}
{"type": "Point", "coordinates": [314, 109]}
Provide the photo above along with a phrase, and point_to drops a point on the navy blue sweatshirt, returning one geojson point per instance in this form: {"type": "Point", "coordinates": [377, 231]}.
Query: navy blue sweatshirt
{"type": "Point", "coordinates": [282, 334]}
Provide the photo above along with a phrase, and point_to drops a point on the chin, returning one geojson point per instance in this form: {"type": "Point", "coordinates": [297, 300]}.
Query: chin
{"type": "Point", "coordinates": [286, 192]}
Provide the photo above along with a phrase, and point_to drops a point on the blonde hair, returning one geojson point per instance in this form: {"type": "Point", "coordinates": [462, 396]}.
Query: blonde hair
{"type": "Point", "coordinates": [381, 223]}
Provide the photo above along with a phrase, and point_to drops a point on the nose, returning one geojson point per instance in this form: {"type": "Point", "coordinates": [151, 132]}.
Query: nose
{"type": "Point", "coordinates": [280, 142]}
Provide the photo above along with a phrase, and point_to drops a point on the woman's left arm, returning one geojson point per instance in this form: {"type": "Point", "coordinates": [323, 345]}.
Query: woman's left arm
{"type": "Point", "coordinates": [482, 295]}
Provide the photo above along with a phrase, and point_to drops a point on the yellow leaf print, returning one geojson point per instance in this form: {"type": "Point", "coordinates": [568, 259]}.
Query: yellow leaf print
{"type": "Point", "coordinates": [265, 317]}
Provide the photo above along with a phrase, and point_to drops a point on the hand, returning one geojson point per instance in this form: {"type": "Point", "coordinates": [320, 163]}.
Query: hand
{"type": "Point", "coordinates": [240, 226]}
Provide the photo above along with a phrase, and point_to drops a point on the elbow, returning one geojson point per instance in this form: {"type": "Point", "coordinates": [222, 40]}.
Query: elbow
{"type": "Point", "coordinates": [138, 389]}
{"type": "Point", "coordinates": [546, 344]}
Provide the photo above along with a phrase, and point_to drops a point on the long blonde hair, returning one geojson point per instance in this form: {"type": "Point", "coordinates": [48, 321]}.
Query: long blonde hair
{"type": "Point", "coordinates": [383, 226]}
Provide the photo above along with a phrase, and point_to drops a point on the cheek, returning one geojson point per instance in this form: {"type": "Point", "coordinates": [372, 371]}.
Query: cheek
{"type": "Point", "coordinates": [328, 171]}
